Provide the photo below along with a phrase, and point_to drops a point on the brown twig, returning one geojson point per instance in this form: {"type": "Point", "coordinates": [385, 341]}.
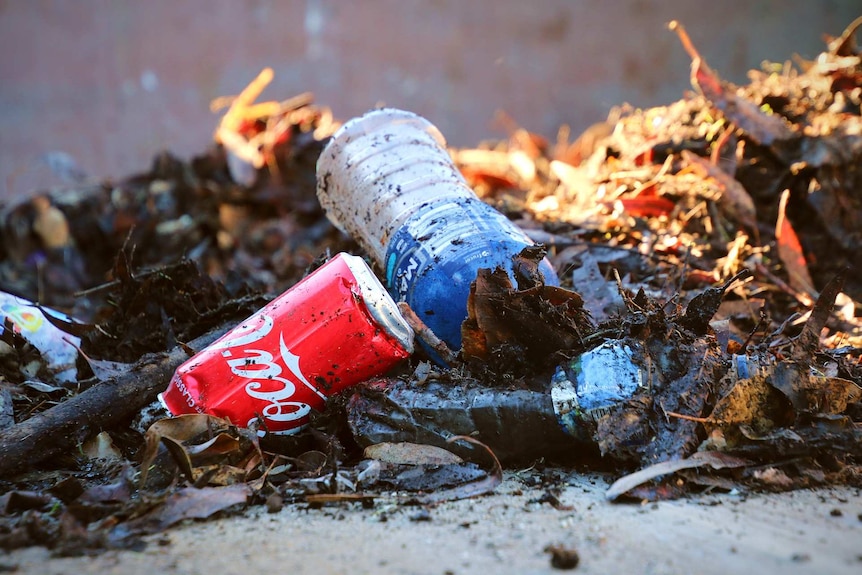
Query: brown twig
{"type": "Point", "coordinates": [801, 297]}
{"type": "Point", "coordinates": [684, 39]}
{"type": "Point", "coordinates": [71, 422]}
{"type": "Point", "coordinates": [424, 333]}
{"type": "Point", "coordinates": [689, 417]}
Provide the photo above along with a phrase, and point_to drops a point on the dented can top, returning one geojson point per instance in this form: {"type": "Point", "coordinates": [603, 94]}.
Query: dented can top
{"type": "Point", "coordinates": [379, 304]}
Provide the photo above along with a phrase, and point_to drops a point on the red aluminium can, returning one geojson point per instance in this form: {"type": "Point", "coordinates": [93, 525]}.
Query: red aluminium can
{"type": "Point", "coordinates": [335, 328]}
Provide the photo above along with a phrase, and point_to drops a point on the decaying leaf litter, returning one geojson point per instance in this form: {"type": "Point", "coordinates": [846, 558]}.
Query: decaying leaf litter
{"type": "Point", "coordinates": [716, 237]}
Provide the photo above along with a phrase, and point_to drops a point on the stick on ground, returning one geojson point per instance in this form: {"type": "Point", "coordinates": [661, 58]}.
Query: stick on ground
{"type": "Point", "coordinates": [67, 424]}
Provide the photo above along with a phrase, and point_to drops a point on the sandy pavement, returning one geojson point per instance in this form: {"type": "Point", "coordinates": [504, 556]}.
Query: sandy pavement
{"type": "Point", "coordinates": [810, 531]}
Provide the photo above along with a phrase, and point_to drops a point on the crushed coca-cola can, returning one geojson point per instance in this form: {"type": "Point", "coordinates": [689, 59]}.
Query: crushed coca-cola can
{"type": "Point", "coordinates": [335, 328]}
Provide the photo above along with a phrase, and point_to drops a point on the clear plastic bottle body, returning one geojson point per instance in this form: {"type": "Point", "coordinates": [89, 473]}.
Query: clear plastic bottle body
{"type": "Point", "coordinates": [387, 179]}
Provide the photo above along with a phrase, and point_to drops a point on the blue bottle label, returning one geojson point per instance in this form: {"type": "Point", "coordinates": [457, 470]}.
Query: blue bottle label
{"type": "Point", "coordinates": [435, 255]}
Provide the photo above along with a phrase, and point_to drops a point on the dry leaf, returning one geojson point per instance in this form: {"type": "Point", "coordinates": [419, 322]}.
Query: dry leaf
{"type": "Point", "coordinates": [754, 402]}
{"type": "Point", "coordinates": [759, 126]}
{"type": "Point", "coordinates": [735, 199]}
{"type": "Point", "coordinates": [219, 441]}
{"type": "Point", "coordinates": [830, 395]}
{"type": "Point", "coordinates": [790, 251]}
{"type": "Point", "coordinates": [472, 489]}
{"type": "Point", "coordinates": [193, 503]}
{"type": "Point", "coordinates": [541, 320]}
{"type": "Point", "coordinates": [405, 453]}
{"type": "Point", "coordinates": [101, 447]}
{"type": "Point", "coordinates": [713, 459]}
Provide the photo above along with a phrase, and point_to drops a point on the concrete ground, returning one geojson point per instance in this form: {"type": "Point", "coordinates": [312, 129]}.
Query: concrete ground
{"type": "Point", "coordinates": [811, 531]}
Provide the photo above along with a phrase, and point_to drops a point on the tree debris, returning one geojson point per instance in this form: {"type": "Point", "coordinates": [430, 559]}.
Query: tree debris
{"type": "Point", "coordinates": [715, 239]}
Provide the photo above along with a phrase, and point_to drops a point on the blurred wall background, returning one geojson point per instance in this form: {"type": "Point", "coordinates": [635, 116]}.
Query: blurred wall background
{"type": "Point", "coordinates": [114, 82]}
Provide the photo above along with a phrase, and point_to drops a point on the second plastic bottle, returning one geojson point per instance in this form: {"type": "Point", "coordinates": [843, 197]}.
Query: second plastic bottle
{"type": "Point", "coordinates": [387, 179]}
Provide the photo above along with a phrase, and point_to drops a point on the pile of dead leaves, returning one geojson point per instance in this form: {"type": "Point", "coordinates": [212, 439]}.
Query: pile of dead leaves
{"type": "Point", "coordinates": [715, 239]}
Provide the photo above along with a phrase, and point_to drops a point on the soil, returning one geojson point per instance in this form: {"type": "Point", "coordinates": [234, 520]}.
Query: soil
{"type": "Point", "coordinates": [510, 531]}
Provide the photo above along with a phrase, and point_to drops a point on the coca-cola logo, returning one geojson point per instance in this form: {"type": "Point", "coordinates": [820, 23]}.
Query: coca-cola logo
{"type": "Point", "coordinates": [270, 378]}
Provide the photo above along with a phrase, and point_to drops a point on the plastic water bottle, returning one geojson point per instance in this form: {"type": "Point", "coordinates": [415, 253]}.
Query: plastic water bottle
{"type": "Point", "coordinates": [387, 179]}
{"type": "Point", "coordinates": [519, 425]}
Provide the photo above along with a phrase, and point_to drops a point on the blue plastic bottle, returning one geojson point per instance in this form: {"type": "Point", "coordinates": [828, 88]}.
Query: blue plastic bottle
{"type": "Point", "coordinates": [387, 179]}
